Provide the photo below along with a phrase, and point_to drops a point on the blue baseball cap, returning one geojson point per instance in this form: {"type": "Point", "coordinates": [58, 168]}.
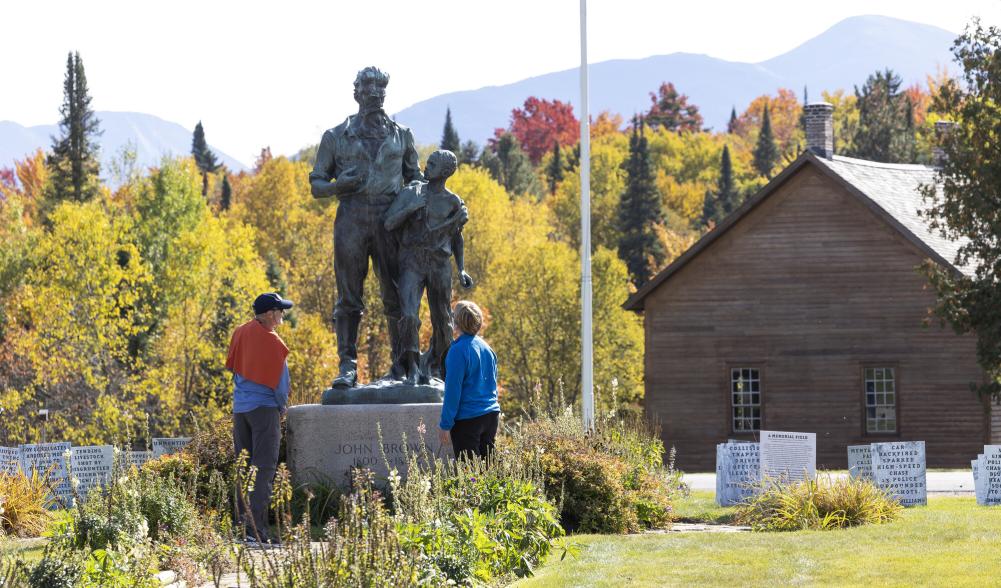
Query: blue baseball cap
{"type": "Point", "coordinates": [270, 301]}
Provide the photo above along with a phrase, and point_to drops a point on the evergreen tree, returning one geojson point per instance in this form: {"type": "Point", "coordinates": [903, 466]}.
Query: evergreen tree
{"type": "Point", "coordinates": [885, 130]}
{"type": "Point", "coordinates": [766, 153]}
{"type": "Point", "coordinates": [640, 213]}
{"type": "Point", "coordinates": [731, 126]}
{"type": "Point", "coordinates": [74, 160]}
{"type": "Point", "coordinates": [723, 201]}
{"type": "Point", "coordinates": [226, 198]}
{"type": "Point", "coordinates": [554, 171]}
{"type": "Point", "coordinates": [469, 153]}
{"type": "Point", "coordinates": [449, 136]}
{"type": "Point", "coordinates": [204, 158]}
{"type": "Point", "coordinates": [508, 163]}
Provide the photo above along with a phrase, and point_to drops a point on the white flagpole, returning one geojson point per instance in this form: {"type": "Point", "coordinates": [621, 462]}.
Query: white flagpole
{"type": "Point", "coordinates": [586, 342]}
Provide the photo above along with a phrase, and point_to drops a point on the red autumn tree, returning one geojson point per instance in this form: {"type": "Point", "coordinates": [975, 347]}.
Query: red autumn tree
{"type": "Point", "coordinates": [540, 123]}
{"type": "Point", "coordinates": [671, 110]}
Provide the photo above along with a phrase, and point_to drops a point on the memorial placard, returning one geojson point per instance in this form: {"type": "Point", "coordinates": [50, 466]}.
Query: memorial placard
{"type": "Point", "coordinates": [49, 459]}
{"type": "Point", "coordinates": [860, 461]}
{"type": "Point", "coordinates": [137, 458]}
{"type": "Point", "coordinates": [787, 456]}
{"type": "Point", "coordinates": [899, 468]}
{"type": "Point", "coordinates": [990, 475]}
{"type": "Point", "coordinates": [91, 466]}
{"type": "Point", "coordinates": [167, 445]}
{"type": "Point", "coordinates": [10, 460]}
{"type": "Point", "coordinates": [738, 472]}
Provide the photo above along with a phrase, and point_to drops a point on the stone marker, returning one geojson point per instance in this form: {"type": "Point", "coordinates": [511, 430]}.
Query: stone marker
{"type": "Point", "coordinates": [721, 455]}
{"type": "Point", "coordinates": [325, 442]}
{"type": "Point", "coordinates": [49, 458]}
{"type": "Point", "coordinates": [91, 466]}
{"type": "Point", "coordinates": [860, 461]}
{"type": "Point", "coordinates": [978, 483]}
{"type": "Point", "coordinates": [137, 458]}
{"type": "Point", "coordinates": [167, 445]}
{"type": "Point", "coordinates": [899, 467]}
{"type": "Point", "coordinates": [788, 456]}
{"type": "Point", "coordinates": [738, 472]}
{"type": "Point", "coordinates": [990, 475]}
{"type": "Point", "coordinates": [10, 460]}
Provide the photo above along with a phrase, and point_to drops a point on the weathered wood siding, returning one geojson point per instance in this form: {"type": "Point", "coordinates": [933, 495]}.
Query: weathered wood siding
{"type": "Point", "coordinates": [810, 287]}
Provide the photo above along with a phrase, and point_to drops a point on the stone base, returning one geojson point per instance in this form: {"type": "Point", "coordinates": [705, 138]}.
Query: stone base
{"type": "Point", "coordinates": [325, 442]}
{"type": "Point", "coordinates": [386, 392]}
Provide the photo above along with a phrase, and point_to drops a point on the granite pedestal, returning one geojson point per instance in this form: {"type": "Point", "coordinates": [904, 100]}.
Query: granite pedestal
{"type": "Point", "coordinates": [325, 442]}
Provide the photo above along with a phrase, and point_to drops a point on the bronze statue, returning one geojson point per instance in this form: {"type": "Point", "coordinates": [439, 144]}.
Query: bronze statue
{"type": "Point", "coordinates": [430, 219]}
{"type": "Point", "coordinates": [370, 158]}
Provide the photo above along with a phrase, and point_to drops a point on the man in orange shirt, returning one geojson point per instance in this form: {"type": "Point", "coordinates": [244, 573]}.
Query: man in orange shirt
{"type": "Point", "coordinates": [260, 398]}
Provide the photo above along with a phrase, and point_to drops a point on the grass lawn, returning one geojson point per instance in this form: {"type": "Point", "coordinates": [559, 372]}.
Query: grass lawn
{"type": "Point", "coordinates": [950, 542]}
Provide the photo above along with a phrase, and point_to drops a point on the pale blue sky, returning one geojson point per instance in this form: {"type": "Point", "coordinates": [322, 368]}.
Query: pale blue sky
{"type": "Point", "coordinates": [277, 73]}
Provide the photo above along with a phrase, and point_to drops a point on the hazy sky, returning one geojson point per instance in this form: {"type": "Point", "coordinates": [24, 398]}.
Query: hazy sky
{"type": "Point", "coordinates": [279, 73]}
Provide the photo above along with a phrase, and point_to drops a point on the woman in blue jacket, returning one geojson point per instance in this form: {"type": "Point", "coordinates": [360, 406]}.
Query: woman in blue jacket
{"type": "Point", "coordinates": [470, 409]}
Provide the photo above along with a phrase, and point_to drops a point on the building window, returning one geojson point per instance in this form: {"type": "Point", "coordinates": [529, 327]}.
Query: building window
{"type": "Point", "coordinates": [745, 395]}
{"type": "Point", "coordinates": [880, 400]}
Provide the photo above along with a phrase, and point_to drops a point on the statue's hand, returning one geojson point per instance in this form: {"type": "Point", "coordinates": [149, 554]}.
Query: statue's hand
{"type": "Point", "coordinates": [349, 181]}
{"type": "Point", "coordinates": [465, 280]}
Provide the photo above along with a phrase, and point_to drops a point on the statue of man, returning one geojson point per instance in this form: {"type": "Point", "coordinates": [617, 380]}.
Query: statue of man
{"type": "Point", "coordinates": [370, 158]}
{"type": "Point", "coordinates": [430, 220]}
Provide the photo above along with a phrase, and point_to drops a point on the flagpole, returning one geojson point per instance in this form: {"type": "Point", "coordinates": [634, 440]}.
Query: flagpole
{"type": "Point", "coordinates": [586, 335]}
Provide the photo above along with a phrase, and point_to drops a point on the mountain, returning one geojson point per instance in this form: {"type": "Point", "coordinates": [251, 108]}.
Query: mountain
{"type": "Point", "coordinates": [841, 57]}
{"type": "Point", "coordinates": [151, 136]}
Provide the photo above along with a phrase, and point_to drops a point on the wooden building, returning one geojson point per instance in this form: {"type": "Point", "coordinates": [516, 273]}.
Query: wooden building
{"type": "Point", "coordinates": [805, 310]}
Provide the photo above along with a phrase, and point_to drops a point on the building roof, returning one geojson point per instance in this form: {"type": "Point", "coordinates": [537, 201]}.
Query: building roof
{"type": "Point", "coordinates": [891, 190]}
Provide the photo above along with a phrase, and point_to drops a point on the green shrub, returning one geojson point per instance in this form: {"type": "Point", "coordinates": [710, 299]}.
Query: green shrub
{"type": "Point", "coordinates": [24, 504]}
{"type": "Point", "coordinates": [58, 568]}
{"type": "Point", "coordinates": [134, 507]}
{"type": "Point", "coordinates": [818, 504]}
{"type": "Point", "coordinates": [608, 480]}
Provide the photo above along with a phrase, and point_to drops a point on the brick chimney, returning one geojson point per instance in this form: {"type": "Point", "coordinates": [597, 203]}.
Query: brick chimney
{"type": "Point", "coordinates": [820, 128]}
{"type": "Point", "coordinates": [942, 130]}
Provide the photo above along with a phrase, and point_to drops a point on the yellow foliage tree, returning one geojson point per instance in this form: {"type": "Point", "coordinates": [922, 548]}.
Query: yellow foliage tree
{"type": "Point", "coordinates": [212, 277]}
{"type": "Point", "coordinates": [76, 312]}
{"type": "Point", "coordinates": [534, 308]}
{"type": "Point", "coordinates": [608, 181]}
{"type": "Point", "coordinates": [312, 360]}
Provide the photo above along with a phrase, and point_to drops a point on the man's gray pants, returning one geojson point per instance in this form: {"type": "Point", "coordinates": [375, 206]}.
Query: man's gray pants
{"type": "Point", "coordinates": [258, 432]}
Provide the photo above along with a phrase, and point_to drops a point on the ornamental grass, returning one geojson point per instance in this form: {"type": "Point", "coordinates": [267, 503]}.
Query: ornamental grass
{"type": "Point", "coordinates": [821, 504]}
{"type": "Point", "coordinates": [25, 500]}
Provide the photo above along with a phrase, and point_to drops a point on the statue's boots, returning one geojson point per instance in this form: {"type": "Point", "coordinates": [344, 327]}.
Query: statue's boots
{"type": "Point", "coordinates": [347, 349]}
{"type": "Point", "coordinates": [397, 369]}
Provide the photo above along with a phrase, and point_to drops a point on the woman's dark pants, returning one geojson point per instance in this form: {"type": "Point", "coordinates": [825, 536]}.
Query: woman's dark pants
{"type": "Point", "coordinates": [474, 436]}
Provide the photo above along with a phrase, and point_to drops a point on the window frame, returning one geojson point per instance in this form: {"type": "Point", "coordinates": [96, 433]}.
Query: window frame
{"type": "Point", "coordinates": [728, 378]}
{"type": "Point", "coordinates": [895, 366]}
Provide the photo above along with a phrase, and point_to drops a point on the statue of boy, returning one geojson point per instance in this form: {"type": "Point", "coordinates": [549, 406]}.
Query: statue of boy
{"type": "Point", "coordinates": [430, 220]}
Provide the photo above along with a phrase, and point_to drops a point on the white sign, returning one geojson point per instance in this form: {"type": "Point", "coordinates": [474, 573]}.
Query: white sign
{"type": "Point", "coordinates": [860, 461]}
{"type": "Point", "coordinates": [990, 475]}
{"type": "Point", "coordinates": [10, 460]}
{"type": "Point", "coordinates": [787, 456]}
{"type": "Point", "coordinates": [167, 445]}
{"type": "Point", "coordinates": [49, 459]}
{"type": "Point", "coordinates": [91, 466]}
{"type": "Point", "coordinates": [738, 472]}
{"type": "Point", "coordinates": [899, 467]}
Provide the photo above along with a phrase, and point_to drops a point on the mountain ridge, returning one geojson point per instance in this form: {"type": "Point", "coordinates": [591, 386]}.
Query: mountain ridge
{"type": "Point", "coordinates": [839, 58]}
{"type": "Point", "coordinates": [152, 137]}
